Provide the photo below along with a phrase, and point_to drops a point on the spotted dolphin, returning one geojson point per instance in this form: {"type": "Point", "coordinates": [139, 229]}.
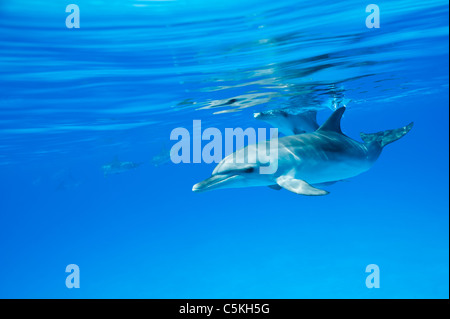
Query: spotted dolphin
{"type": "Point", "coordinates": [117, 167]}
{"type": "Point", "coordinates": [288, 123]}
{"type": "Point", "coordinates": [304, 160]}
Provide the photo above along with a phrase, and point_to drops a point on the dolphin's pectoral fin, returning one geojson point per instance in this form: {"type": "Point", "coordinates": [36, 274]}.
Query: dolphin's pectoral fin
{"type": "Point", "coordinates": [275, 187]}
{"type": "Point", "coordinates": [299, 186]}
{"type": "Point", "coordinates": [325, 184]}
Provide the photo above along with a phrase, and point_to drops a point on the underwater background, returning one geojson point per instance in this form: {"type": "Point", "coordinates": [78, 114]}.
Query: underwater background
{"type": "Point", "coordinates": [73, 100]}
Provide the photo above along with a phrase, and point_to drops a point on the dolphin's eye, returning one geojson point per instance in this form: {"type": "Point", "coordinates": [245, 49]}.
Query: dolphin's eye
{"type": "Point", "coordinates": [249, 170]}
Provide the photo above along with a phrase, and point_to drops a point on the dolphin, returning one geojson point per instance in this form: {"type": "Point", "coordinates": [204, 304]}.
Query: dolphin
{"type": "Point", "coordinates": [162, 157]}
{"type": "Point", "coordinates": [288, 123]}
{"type": "Point", "coordinates": [117, 167]}
{"type": "Point", "coordinates": [68, 183]}
{"type": "Point", "coordinates": [305, 161]}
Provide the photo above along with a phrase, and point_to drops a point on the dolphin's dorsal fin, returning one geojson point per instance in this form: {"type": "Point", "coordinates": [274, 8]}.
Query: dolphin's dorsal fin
{"type": "Point", "coordinates": [333, 124]}
{"type": "Point", "coordinates": [307, 121]}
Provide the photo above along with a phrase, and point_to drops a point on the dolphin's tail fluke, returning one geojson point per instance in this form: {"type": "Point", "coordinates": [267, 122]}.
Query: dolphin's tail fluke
{"type": "Point", "coordinates": [386, 137]}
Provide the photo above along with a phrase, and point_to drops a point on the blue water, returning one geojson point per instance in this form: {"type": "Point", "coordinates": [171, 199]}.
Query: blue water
{"type": "Point", "coordinates": [71, 100]}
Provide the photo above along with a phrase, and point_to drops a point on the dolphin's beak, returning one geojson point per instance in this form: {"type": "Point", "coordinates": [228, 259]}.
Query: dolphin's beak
{"type": "Point", "coordinates": [215, 181]}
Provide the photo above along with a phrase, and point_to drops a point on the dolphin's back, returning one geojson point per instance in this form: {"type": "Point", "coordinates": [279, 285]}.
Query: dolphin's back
{"type": "Point", "coordinates": [288, 123]}
{"type": "Point", "coordinates": [323, 157]}
{"type": "Point", "coordinates": [329, 147]}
